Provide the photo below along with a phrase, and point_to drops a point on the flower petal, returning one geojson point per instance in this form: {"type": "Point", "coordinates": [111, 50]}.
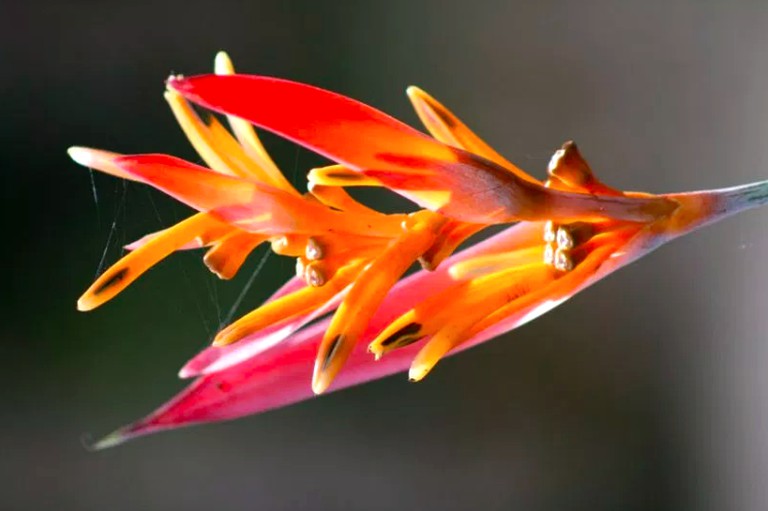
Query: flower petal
{"type": "Point", "coordinates": [366, 294]}
{"type": "Point", "coordinates": [448, 129]}
{"type": "Point", "coordinates": [228, 254]}
{"type": "Point", "coordinates": [247, 137]}
{"type": "Point", "coordinates": [439, 177]}
{"type": "Point", "coordinates": [280, 375]}
{"type": "Point", "coordinates": [251, 206]}
{"type": "Point", "coordinates": [135, 263]}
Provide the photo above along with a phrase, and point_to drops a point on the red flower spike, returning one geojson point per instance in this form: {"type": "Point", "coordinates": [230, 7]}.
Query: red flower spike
{"type": "Point", "coordinates": [350, 257]}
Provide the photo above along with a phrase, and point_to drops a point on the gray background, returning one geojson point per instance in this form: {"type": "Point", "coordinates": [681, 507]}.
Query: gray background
{"type": "Point", "coordinates": [648, 391]}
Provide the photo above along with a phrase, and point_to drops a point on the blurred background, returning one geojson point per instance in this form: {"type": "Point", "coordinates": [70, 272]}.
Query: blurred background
{"type": "Point", "coordinates": [647, 391]}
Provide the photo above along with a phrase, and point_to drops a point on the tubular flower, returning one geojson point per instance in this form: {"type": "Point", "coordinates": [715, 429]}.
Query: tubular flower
{"type": "Point", "coordinates": [569, 231]}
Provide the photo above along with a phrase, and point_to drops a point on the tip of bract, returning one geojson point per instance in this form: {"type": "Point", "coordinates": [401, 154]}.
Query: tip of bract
{"type": "Point", "coordinates": [84, 304]}
{"type": "Point", "coordinates": [81, 155]}
{"type": "Point", "coordinates": [113, 439]}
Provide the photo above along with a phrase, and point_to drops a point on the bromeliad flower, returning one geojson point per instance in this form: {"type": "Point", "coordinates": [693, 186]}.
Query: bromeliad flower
{"type": "Point", "coordinates": [571, 230]}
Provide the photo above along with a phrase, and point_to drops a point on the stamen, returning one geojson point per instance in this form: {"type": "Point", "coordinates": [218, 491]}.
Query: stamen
{"type": "Point", "coordinates": [549, 254]}
{"type": "Point", "coordinates": [564, 238]}
{"type": "Point", "coordinates": [314, 250]}
{"type": "Point", "coordinates": [550, 231]}
{"type": "Point", "coordinates": [563, 261]}
{"type": "Point", "coordinates": [314, 275]}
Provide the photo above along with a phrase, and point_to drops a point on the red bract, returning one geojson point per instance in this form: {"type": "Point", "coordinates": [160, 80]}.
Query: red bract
{"type": "Point", "coordinates": [571, 230]}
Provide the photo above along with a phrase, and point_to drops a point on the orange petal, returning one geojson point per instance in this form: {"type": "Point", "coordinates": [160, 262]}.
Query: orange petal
{"type": "Point", "coordinates": [467, 299]}
{"type": "Point", "coordinates": [248, 205]}
{"type": "Point", "coordinates": [299, 302]}
{"type": "Point", "coordinates": [337, 198]}
{"type": "Point", "coordinates": [247, 136]}
{"type": "Point", "coordinates": [490, 294]}
{"type": "Point", "coordinates": [133, 264]}
{"type": "Point", "coordinates": [451, 235]}
{"type": "Point", "coordinates": [103, 161]}
{"type": "Point", "coordinates": [339, 175]}
{"type": "Point", "coordinates": [367, 292]}
{"type": "Point", "coordinates": [479, 266]}
{"type": "Point", "coordinates": [447, 128]}
{"type": "Point", "coordinates": [559, 290]}
{"type": "Point", "coordinates": [229, 253]}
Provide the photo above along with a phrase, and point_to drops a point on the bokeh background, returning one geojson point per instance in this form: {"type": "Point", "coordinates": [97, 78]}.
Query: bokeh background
{"type": "Point", "coordinates": [648, 391]}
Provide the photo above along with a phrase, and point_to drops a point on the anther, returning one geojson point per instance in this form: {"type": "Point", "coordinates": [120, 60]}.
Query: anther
{"type": "Point", "coordinates": [314, 250]}
{"type": "Point", "coordinates": [549, 254]}
{"type": "Point", "coordinates": [550, 231]}
{"type": "Point", "coordinates": [564, 238]}
{"type": "Point", "coordinates": [300, 267]}
{"type": "Point", "coordinates": [314, 276]}
{"type": "Point", "coordinates": [563, 261]}
{"type": "Point", "coordinates": [279, 244]}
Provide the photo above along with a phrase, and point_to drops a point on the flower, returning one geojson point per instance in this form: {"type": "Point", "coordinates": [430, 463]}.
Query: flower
{"type": "Point", "coordinates": [570, 231]}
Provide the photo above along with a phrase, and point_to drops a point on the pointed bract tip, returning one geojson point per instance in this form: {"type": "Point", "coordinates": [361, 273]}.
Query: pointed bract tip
{"type": "Point", "coordinates": [320, 382]}
{"type": "Point", "coordinates": [186, 372]}
{"type": "Point", "coordinates": [113, 439]}
{"type": "Point", "coordinates": [222, 64]}
{"type": "Point", "coordinates": [412, 91]}
{"type": "Point", "coordinates": [417, 373]}
{"type": "Point", "coordinates": [81, 155]}
{"type": "Point", "coordinates": [84, 304]}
